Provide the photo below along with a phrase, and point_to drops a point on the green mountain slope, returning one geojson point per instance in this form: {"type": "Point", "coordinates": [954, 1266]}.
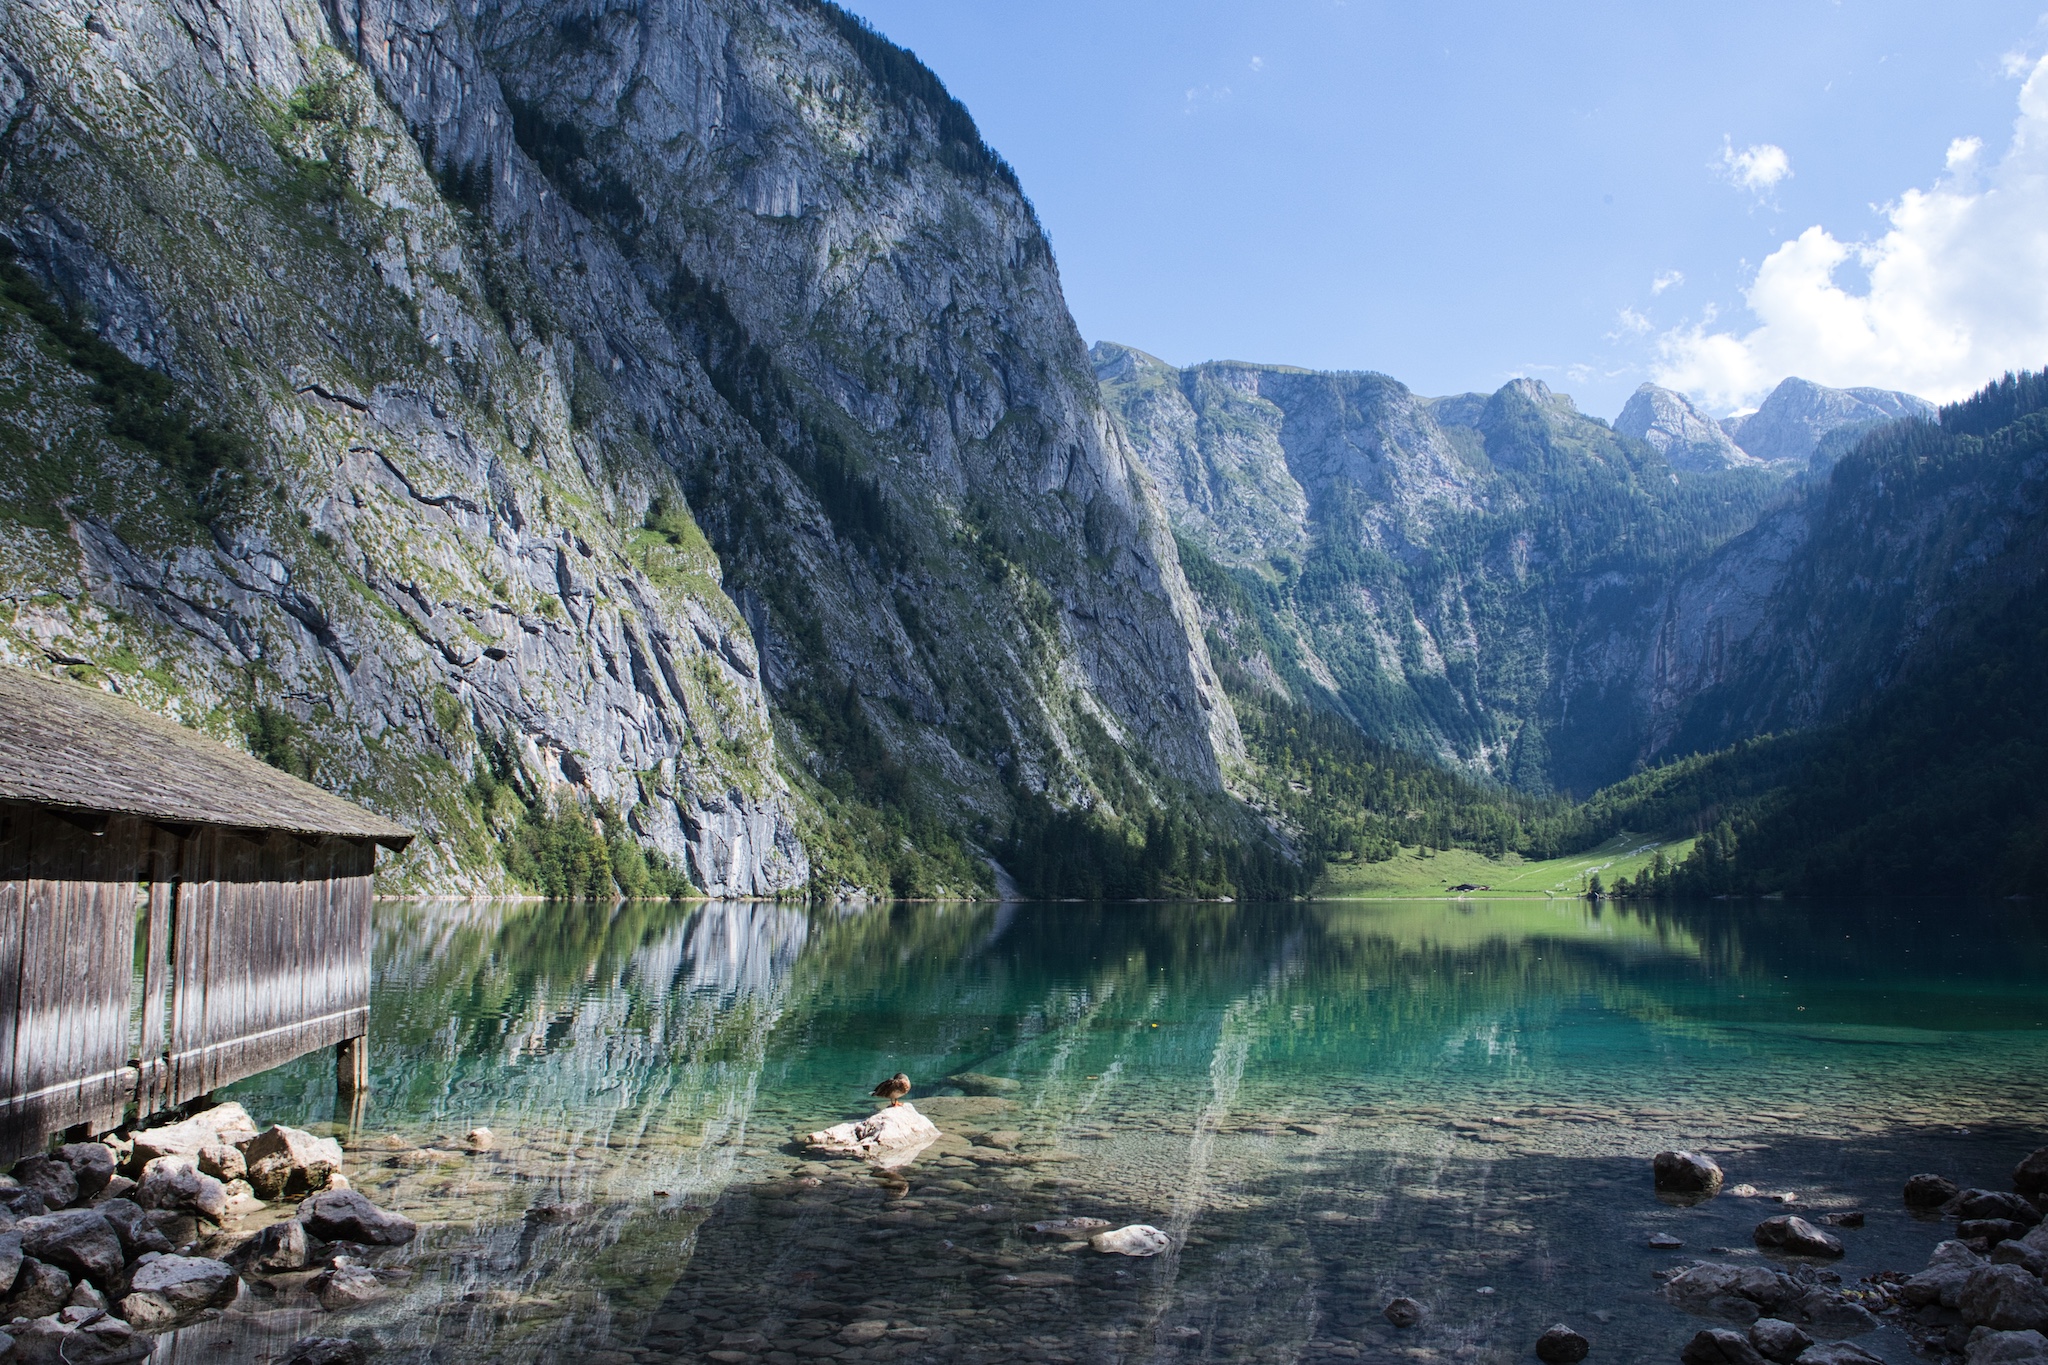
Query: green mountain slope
{"type": "Point", "coordinates": [1932, 541]}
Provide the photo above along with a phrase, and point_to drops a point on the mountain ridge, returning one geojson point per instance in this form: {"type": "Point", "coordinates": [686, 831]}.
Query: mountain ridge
{"type": "Point", "coordinates": [593, 453]}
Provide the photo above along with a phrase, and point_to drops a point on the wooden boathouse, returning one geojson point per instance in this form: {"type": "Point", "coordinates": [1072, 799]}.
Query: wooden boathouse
{"type": "Point", "coordinates": [174, 914]}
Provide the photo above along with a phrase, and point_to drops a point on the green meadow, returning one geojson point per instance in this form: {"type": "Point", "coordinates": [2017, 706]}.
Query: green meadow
{"type": "Point", "coordinates": [1433, 872]}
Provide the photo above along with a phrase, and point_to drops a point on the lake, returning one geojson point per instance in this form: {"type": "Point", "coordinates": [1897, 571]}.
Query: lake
{"type": "Point", "coordinates": [1325, 1105]}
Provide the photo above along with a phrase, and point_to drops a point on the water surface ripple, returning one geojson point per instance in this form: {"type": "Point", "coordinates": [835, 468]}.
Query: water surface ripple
{"type": "Point", "coordinates": [1324, 1104]}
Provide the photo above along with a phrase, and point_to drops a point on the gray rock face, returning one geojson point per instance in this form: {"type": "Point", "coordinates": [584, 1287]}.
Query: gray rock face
{"type": "Point", "coordinates": [1929, 1191]}
{"type": "Point", "coordinates": [287, 1162]}
{"type": "Point", "coordinates": [346, 1216]}
{"type": "Point", "coordinates": [2005, 1298]}
{"type": "Point", "coordinates": [176, 1183]}
{"type": "Point", "coordinates": [1794, 425]}
{"type": "Point", "coordinates": [1778, 1340]}
{"type": "Point", "coordinates": [1987, 1347]}
{"type": "Point", "coordinates": [1686, 437]}
{"type": "Point", "coordinates": [1839, 1353]}
{"type": "Point", "coordinates": [1719, 1346]}
{"type": "Point", "coordinates": [1685, 1173]}
{"type": "Point", "coordinates": [1560, 1345]}
{"type": "Point", "coordinates": [1708, 1287]}
{"type": "Point", "coordinates": [39, 1290]}
{"type": "Point", "coordinates": [1279, 471]}
{"type": "Point", "coordinates": [1948, 1270]}
{"type": "Point", "coordinates": [131, 1224]}
{"type": "Point", "coordinates": [95, 1340]}
{"type": "Point", "coordinates": [1997, 1204]}
{"type": "Point", "coordinates": [54, 1182]}
{"type": "Point", "coordinates": [92, 1166]}
{"type": "Point", "coordinates": [1794, 1236]}
{"type": "Point", "coordinates": [507, 387]}
{"type": "Point", "coordinates": [187, 1283]}
{"type": "Point", "coordinates": [79, 1240]}
{"type": "Point", "coordinates": [224, 1124]}
{"type": "Point", "coordinates": [341, 1287]}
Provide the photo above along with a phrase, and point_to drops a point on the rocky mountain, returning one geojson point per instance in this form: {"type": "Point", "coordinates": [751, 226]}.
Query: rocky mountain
{"type": "Point", "coordinates": [1465, 576]}
{"type": "Point", "coordinates": [1888, 635]}
{"type": "Point", "coordinates": [1808, 426]}
{"type": "Point", "coordinates": [1518, 589]}
{"type": "Point", "coordinates": [1686, 437]}
{"type": "Point", "coordinates": [521, 414]}
{"type": "Point", "coordinates": [1845, 588]}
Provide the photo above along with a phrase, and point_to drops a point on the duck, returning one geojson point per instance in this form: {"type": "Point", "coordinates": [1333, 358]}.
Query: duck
{"type": "Point", "coordinates": [893, 1089]}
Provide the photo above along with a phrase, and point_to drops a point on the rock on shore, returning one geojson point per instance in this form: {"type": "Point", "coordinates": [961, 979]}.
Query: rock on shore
{"type": "Point", "coordinates": [88, 1272]}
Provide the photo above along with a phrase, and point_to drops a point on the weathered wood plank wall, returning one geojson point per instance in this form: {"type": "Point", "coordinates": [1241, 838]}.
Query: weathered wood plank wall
{"type": "Point", "coordinates": [257, 951]}
{"type": "Point", "coordinates": [272, 954]}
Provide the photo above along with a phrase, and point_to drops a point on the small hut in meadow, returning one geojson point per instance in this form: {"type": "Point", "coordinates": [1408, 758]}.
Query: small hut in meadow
{"type": "Point", "coordinates": [174, 914]}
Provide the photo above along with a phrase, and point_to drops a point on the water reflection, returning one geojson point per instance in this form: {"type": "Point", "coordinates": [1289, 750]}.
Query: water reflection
{"type": "Point", "coordinates": [1324, 1104]}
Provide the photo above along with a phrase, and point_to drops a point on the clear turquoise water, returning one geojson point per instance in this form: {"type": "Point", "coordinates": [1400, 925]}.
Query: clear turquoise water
{"type": "Point", "coordinates": [1324, 1104]}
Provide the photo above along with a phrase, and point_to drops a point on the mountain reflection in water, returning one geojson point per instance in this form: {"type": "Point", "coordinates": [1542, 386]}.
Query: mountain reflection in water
{"type": "Point", "coordinates": [1325, 1104]}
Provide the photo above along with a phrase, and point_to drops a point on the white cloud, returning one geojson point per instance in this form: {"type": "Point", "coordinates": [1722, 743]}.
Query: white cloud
{"type": "Point", "coordinates": [1963, 152]}
{"type": "Point", "coordinates": [1258, 63]}
{"type": "Point", "coordinates": [1206, 94]}
{"type": "Point", "coordinates": [1757, 169]}
{"type": "Point", "coordinates": [1630, 323]}
{"type": "Point", "coordinates": [2015, 64]}
{"type": "Point", "coordinates": [1670, 279]}
{"type": "Point", "coordinates": [1956, 290]}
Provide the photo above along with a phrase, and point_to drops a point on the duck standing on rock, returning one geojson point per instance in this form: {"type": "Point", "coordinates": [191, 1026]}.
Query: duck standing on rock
{"type": "Point", "coordinates": [893, 1089]}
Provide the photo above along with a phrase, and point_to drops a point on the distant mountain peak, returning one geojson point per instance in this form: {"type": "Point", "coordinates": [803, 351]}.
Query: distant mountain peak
{"type": "Point", "coordinates": [1686, 437]}
{"type": "Point", "coordinates": [1804, 423]}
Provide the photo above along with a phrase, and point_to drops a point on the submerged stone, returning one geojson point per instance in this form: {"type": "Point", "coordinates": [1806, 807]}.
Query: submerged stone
{"type": "Point", "coordinates": [1139, 1239]}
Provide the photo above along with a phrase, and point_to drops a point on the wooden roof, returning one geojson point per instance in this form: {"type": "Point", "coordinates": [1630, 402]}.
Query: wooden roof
{"type": "Point", "coordinates": [73, 747]}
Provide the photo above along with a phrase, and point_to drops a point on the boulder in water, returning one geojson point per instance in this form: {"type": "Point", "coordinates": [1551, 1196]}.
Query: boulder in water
{"type": "Point", "coordinates": [1139, 1239]}
{"type": "Point", "coordinates": [975, 1083]}
{"type": "Point", "coordinates": [1794, 1236]}
{"type": "Point", "coordinates": [1994, 1204]}
{"type": "Point", "coordinates": [1562, 1346]}
{"type": "Point", "coordinates": [283, 1162]}
{"type": "Point", "coordinates": [1404, 1312]}
{"type": "Point", "coordinates": [1686, 1174]}
{"type": "Point", "coordinates": [1930, 1191]}
{"type": "Point", "coordinates": [345, 1216]}
{"type": "Point", "coordinates": [1778, 1340]}
{"type": "Point", "coordinates": [1719, 1346]}
{"type": "Point", "coordinates": [889, 1137]}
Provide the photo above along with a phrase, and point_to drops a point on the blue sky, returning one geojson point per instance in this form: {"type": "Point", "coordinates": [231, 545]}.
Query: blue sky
{"type": "Point", "coordinates": [1457, 193]}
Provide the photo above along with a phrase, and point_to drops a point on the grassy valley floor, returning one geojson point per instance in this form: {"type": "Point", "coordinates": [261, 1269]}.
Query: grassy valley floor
{"type": "Point", "coordinates": [1433, 872]}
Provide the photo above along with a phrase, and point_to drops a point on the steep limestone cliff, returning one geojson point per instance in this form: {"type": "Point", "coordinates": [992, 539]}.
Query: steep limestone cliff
{"type": "Point", "coordinates": [1462, 575]}
{"type": "Point", "coordinates": [471, 318]}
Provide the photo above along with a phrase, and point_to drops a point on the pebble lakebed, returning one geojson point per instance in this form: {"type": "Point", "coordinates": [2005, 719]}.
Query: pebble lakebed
{"type": "Point", "coordinates": [646, 1205]}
